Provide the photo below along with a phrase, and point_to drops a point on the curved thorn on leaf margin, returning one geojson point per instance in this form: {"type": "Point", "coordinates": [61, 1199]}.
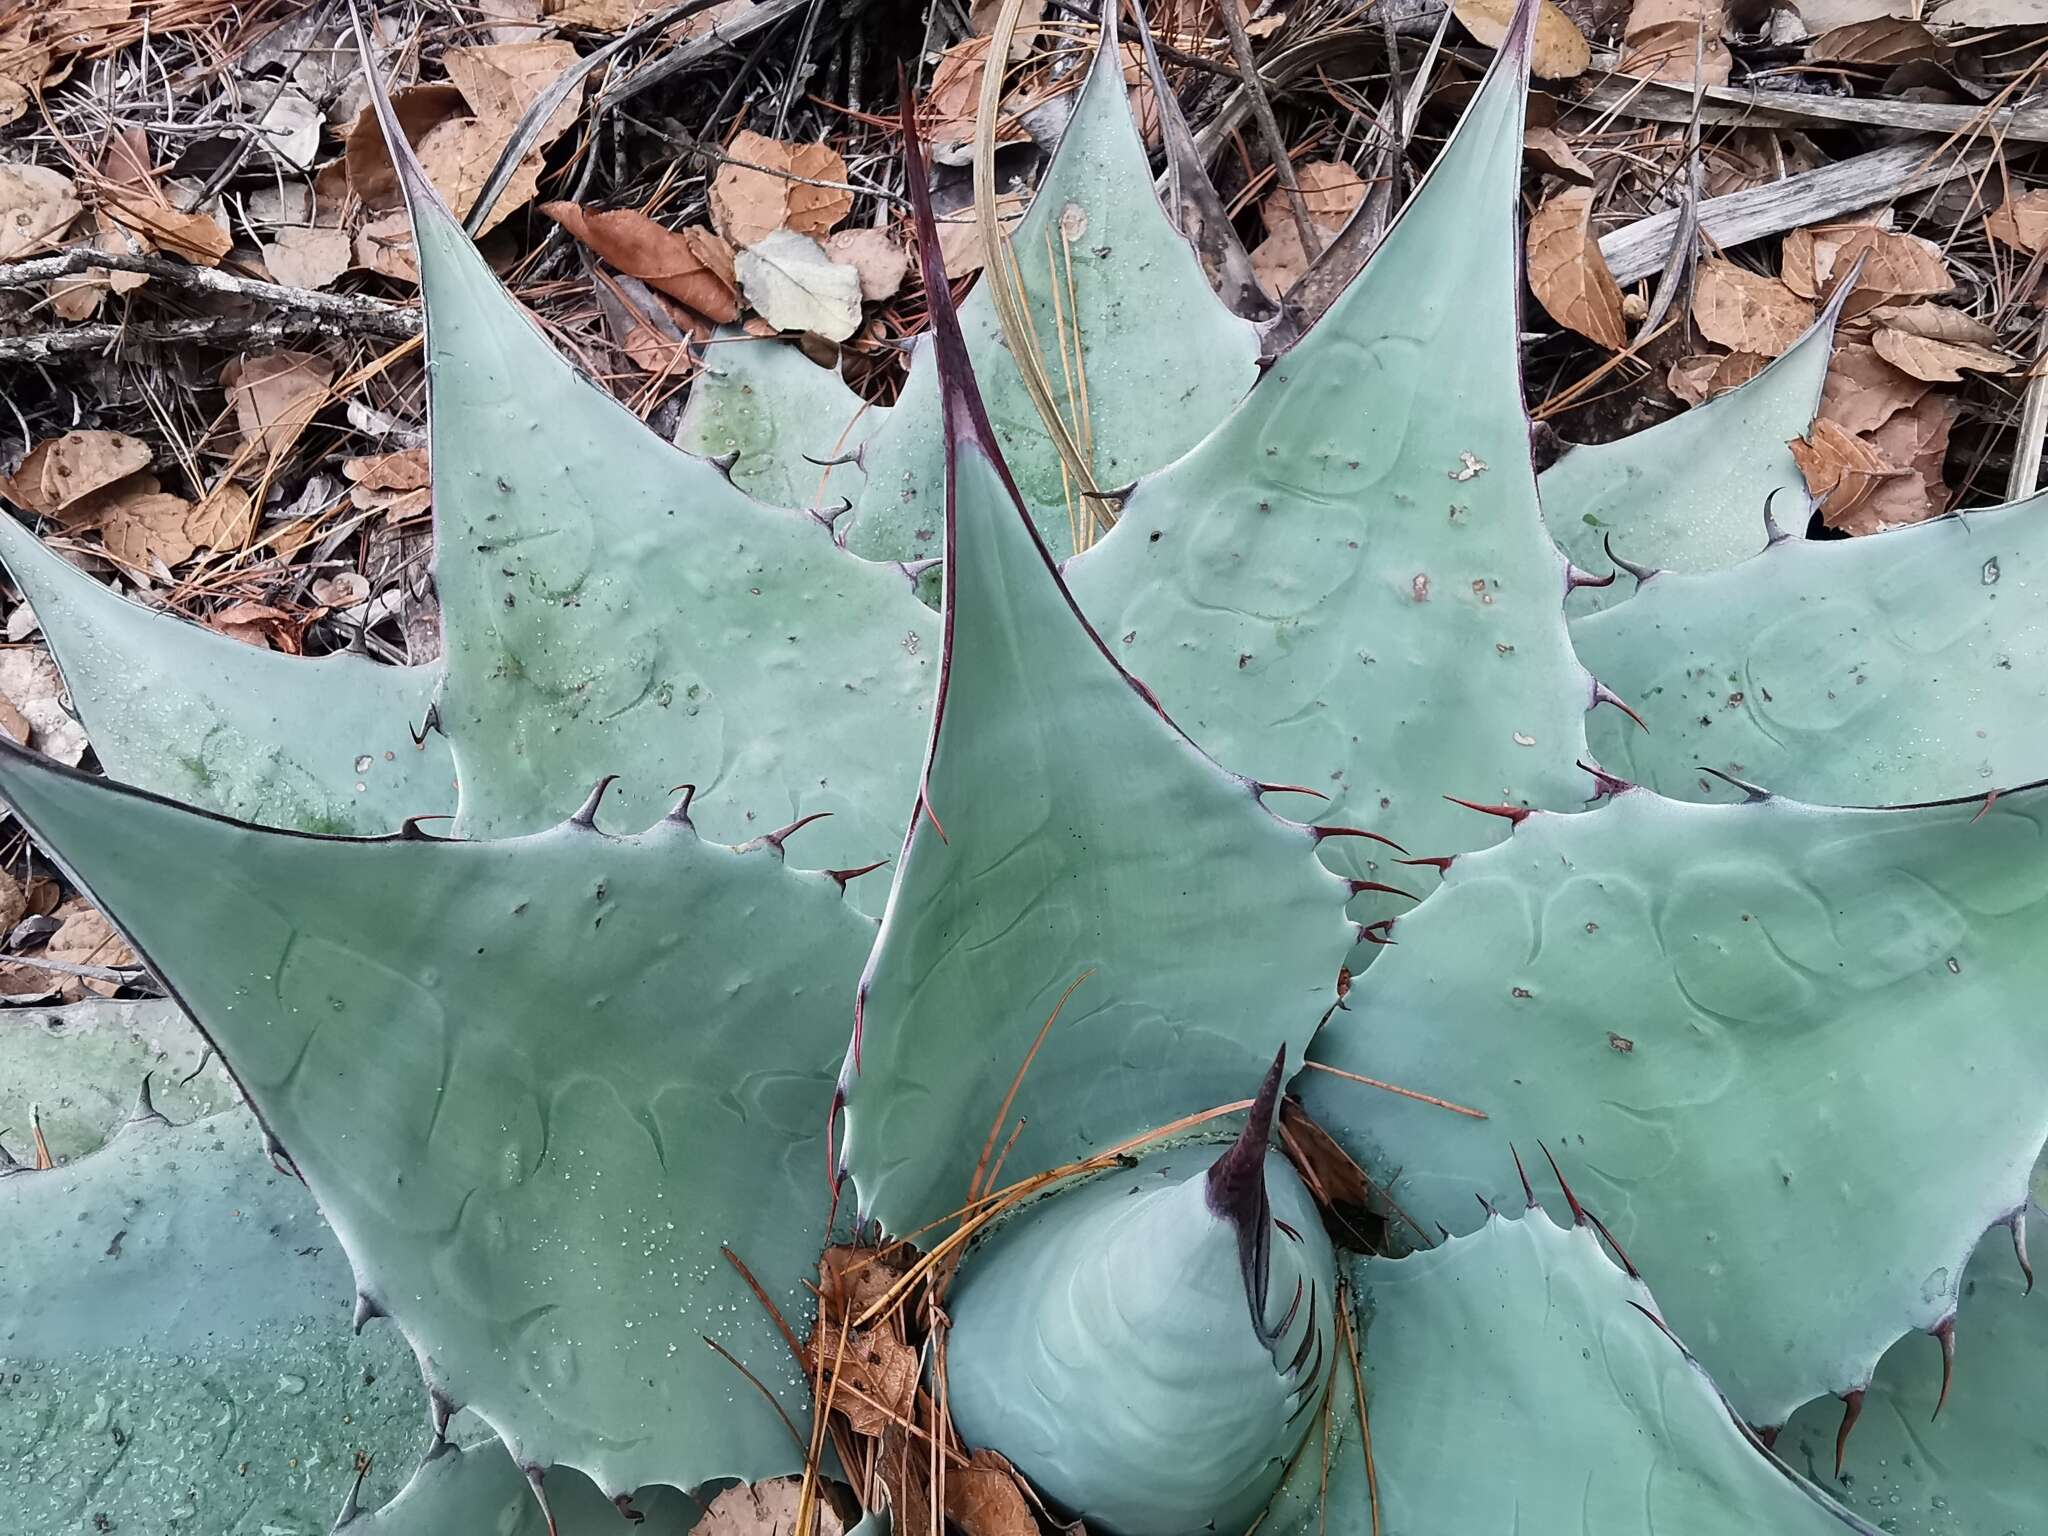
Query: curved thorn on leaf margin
{"type": "Point", "coordinates": [144, 1111]}
{"type": "Point", "coordinates": [843, 877]}
{"type": "Point", "coordinates": [587, 815]}
{"type": "Point", "coordinates": [1235, 1192]}
{"type": "Point", "coordinates": [680, 811]}
{"type": "Point", "coordinates": [1602, 694]}
{"type": "Point", "coordinates": [1985, 809]}
{"type": "Point", "coordinates": [1319, 833]}
{"type": "Point", "coordinates": [1852, 1410]}
{"type": "Point", "coordinates": [1628, 1264]}
{"type": "Point", "coordinates": [366, 1308]}
{"type": "Point", "coordinates": [1773, 534]}
{"type": "Point", "coordinates": [410, 830]}
{"type": "Point", "coordinates": [1441, 862]}
{"type": "Point", "coordinates": [1945, 1335]}
{"type": "Point", "coordinates": [1528, 1189]}
{"type": "Point", "coordinates": [1517, 814]}
{"type": "Point", "coordinates": [440, 1409]}
{"type": "Point", "coordinates": [1259, 787]}
{"type": "Point", "coordinates": [534, 1476]}
{"type": "Point", "coordinates": [1360, 887]}
{"type": "Point", "coordinates": [1642, 573]}
{"type": "Point", "coordinates": [782, 835]}
{"type": "Point", "coordinates": [1575, 578]}
{"type": "Point", "coordinates": [1752, 794]}
{"type": "Point", "coordinates": [1570, 1199]}
{"type": "Point", "coordinates": [352, 1506]}
{"type": "Point", "coordinates": [2017, 1224]}
{"type": "Point", "coordinates": [1605, 784]}
{"type": "Point", "coordinates": [623, 1503]}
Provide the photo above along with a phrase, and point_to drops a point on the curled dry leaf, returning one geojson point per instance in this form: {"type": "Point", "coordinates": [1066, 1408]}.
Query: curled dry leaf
{"type": "Point", "coordinates": [986, 1497]}
{"type": "Point", "coordinates": [875, 255]}
{"type": "Point", "coordinates": [751, 201]}
{"type": "Point", "coordinates": [86, 938]}
{"type": "Point", "coordinates": [31, 683]}
{"type": "Point", "coordinates": [260, 625]}
{"type": "Point", "coordinates": [2021, 222]}
{"type": "Point", "coordinates": [1937, 362]}
{"type": "Point", "coordinates": [1937, 322]}
{"type": "Point", "coordinates": [1546, 149]}
{"type": "Point", "coordinates": [1840, 469]}
{"type": "Point", "coordinates": [1567, 273]}
{"type": "Point", "coordinates": [653, 330]}
{"type": "Point", "coordinates": [1279, 260]}
{"type": "Point", "coordinates": [1332, 190]}
{"type": "Point", "coordinates": [199, 237]}
{"type": "Point", "coordinates": [36, 206]}
{"type": "Point", "coordinates": [1560, 51]}
{"type": "Point", "coordinates": [960, 244]}
{"type": "Point", "coordinates": [303, 256]}
{"type": "Point", "coordinates": [692, 266]}
{"type": "Point", "coordinates": [371, 175]}
{"type": "Point", "coordinates": [1894, 265]}
{"type": "Point", "coordinates": [224, 520]}
{"type": "Point", "coordinates": [945, 117]}
{"type": "Point", "coordinates": [142, 525]}
{"type": "Point", "coordinates": [395, 484]}
{"type": "Point", "coordinates": [60, 471]}
{"type": "Point", "coordinates": [1672, 39]}
{"type": "Point", "coordinates": [384, 246]}
{"type": "Point", "coordinates": [1746, 312]}
{"type": "Point", "coordinates": [1696, 380]}
{"type": "Point", "coordinates": [1863, 391]}
{"type": "Point", "coordinates": [1917, 440]}
{"type": "Point", "coordinates": [766, 1508]}
{"type": "Point", "coordinates": [1880, 41]}
{"type": "Point", "coordinates": [795, 286]}
{"type": "Point", "coordinates": [274, 397]}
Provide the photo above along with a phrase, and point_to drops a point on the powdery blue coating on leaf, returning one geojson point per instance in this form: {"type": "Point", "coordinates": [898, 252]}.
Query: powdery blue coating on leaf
{"type": "Point", "coordinates": [535, 1085]}
{"type": "Point", "coordinates": [613, 605]}
{"type": "Point", "coordinates": [1515, 1386]}
{"type": "Point", "coordinates": [174, 1322]}
{"type": "Point", "coordinates": [1164, 360]}
{"type": "Point", "coordinates": [1688, 494]}
{"type": "Point", "coordinates": [480, 1491]}
{"type": "Point", "coordinates": [1910, 665]}
{"type": "Point", "coordinates": [1083, 833]}
{"type": "Point", "coordinates": [775, 411]}
{"type": "Point", "coordinates": [1102, 1341]}
{"type": "Point", "coordinates": [80, 1067]}
{"type": "Point", "coordinates": [316, 745]}
{"type": "Point", "coordinates": [1790, 1055]}
{"type": "Point", "coordinates": [1348, 586]}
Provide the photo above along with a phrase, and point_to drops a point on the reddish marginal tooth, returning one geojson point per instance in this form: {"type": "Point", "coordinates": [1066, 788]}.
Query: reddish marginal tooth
{"type": "Point", "coordinates": [1376, 933]}
{"type": "Point", "coordinates": [1441, 863]}
{"type": "Point", "coordinates": [1620, 1252]}
{"type": "Point", "coordinates": [782, 835]}
{"type": "Point", "coordinates": [1605, 783]}
{"type": "Point", "coordinates": [845, 876]}
{"type": "Point", "coordinates": [1359, 887]}
{"type": "Point", "coordinates": [1602, 694]}
{"type": "Point", "coordinates": [587, 816]}
{"type": "Point", "coordinates": [1320, 833]}
{"type": "Point", "coordinates": [533, 1481]}
{"type": "Point", "coordinates": [1528, 1189]}
{"type": "Point", "coordinates": [1570, 1199]}
{"type": "Point", "coordinates": [1945, 1334]}
{"type": "Point", "coordinates": [681, 810]}
{"type": "Point", "coordinates": [1574, 578]}
{"type": "Point", "coordinates": [1766, 1435]}
{"type": "Point", "coordinates": [410, 830]}
{"type": "Point", "coordinates": [1852, 1410]}
{"type": "Point", "coordinates": [1513, 813]}
{"type": "Point", "coordinates": [623, 1502]}
{"type": "Point", "coordinates": [1985, 809]}
{"type": "Point", "coordinates": [1261, 787]}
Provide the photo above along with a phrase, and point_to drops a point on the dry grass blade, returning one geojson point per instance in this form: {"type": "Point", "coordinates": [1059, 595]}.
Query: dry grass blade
{"type": "Point", "coordinates": [1406, 1093]}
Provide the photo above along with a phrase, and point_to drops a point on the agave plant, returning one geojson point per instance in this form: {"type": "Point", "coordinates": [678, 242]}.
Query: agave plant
{"type": "Point", "coordinates": [575, 1099]}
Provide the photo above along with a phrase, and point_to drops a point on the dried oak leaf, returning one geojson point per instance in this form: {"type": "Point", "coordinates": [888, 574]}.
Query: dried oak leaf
{"type": "Point", "coordinates": [142, 525]}
{"type": "Point", "coordinates": [986, 1497]}
{"type": "Point", "coordinates": [748, 205]}
{"type": "Point", "coordinates": [275, 396]}
{"type": "Point", "coordinates": [1894, 266]}
{"type": "Point", "coordinates": [303, 256]}
{"type": "Point", "coordinates": [199, 237]}
{"type": "Point", "coordinates": [260, 625]}
{"type": "Point", "coordinates": [344, 589]}
{"type": "Point", "coordinates": [1331, 189]}
{"type": "Point", "coordinates": [62, 470]}
{"type": "Point", "coordinates": [1863, 391]}
{"type": "Point", "coordinates": [395, 484]}
{"type": "Point", "coordinates": [1916, 439]}
{"type": "Point", "coordinates": [1937, 322]}
{"type": "Point", "coordinates": [1884, 40]}
{"type": "Point", "coordinates": [692, 266]}
{"type": "Point", "coordinates": [2021, 222]}
{"type": "Point", "coordinates": [1936, 362]}
{"type": "Point", "coordinates": [1559, 51]}
{"type": "Point", "coordinates": [945, 117]}
{"type": "Point", "coordinates": [224, 519]}
{"type": "Point", "coordinates": [1279, 260]}
{"type": "Point", "coordinates": [36, 206]}
{"type": "Point", "coordinates": [1547, 150]}
{"type": "Point", "coordinates": [86, 938]}
{"type": "Point", "coordinates": [1746, 312]}
{"type": "Point", "coordinates": [1567, 273]}
{"type": "Point", "coordinates": [1671, 39]}
{"type": "Point", "coordinates": [1696, 380]}
{"type": "Point", "coordinates": [1840, 470]}
{"type": "Point", "coordinates": [419, 109]}
{"type": "Point", "coordinates": [875, 255]}
{"type": "Point", "coordinates": [960, 243]}
{"type": "Point", "coordinates": [766, 1508]}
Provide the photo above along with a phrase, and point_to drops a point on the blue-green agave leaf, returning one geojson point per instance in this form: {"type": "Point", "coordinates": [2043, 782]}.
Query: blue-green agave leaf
{"type": "Point", "coordinates": [535, 1085]}
{"type": "Point", "coordinates": [1097, 258]}
{"type": "Point", "coordinates": [1789, 1054]}
{"type": "Point", "coordinates": [1688, 494]}
{"type": "Point", "coordinates": [76, 1070]}
{"type": "Point", "coordinates": [1519, 1381]}
{"type": "Point", "coordinates": [1905, 666]}
{"type": "Point", "coordinates": [1347, 586]}
{"type": "Point", "coordinates": [611, 605]}
{"type": "Point", "coordinates": [174, 1323]}
{"type": "Point", "coordinates": [480, 1491]}
{"type": "Point", "coordinates": [1063, 829]}
{"type": "Point", "coordinates": [791, 430]}
{"type": "Point", "coordinates": [322, 745]}
{"type": "Point", "coordinates": [1936, 1457]}
{"type": "Point", "coordinates": [1151, 1349]}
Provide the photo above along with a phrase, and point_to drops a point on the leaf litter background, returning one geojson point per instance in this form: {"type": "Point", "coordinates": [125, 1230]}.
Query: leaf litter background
{"type": "Point", "coordinates": [208, 318]}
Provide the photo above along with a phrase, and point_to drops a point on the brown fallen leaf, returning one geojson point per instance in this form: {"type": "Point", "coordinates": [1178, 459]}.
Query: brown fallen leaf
{"type": "Point", "coordinates": [1567, 273]}
{"type": "Point", "coordinates": [36, 206]}
{"type": "Point", "coordinates": [766, 1508]}
{"type": "Point", "coordinates": [748, 205]}
{"type": "Point", "coordinates": [1916, 439]}
{"type": "Point", "coordinates": [960, 236]}
{"type": "Point", "coordinates": [1332, 190]}
{"type": "Point", "coordinates": [344, 589]}
{"type": "Point", "coordinates": [1894, 266]}
{"type": "Point", "coordinates": [1279, 260]}
{"type": "Point", "coordinates": [692, 266]}
{"type": "Point", "coordinates": [371, 175]}
{"type": "Point", "coordinates": [384, 246]}
{"type": "Point", "coordinates": [1560, 51]}
{"type": "Point", "coordinates": [652, 329]}
{"type": "Point", "coordinates": [1546, 149]}
{"type": "Point", "coordinates": [1840, 469]}
{"type": "Point", "coordinates": [395, 484]}
{"type": "Point", "coordinates": [260, 625]}
{"type": "Point", "coordinates": [275, 396]}
{"type": "Point", "coordinates": [1937, 362]}
{"type": "Point", "coordinates": [500, 81]}
{"type": "Point", "coordinates": [1674, 51]}
{"type": "Point", "coordinates": [2021, 222]}
{"type": "Point", "coordinates": [1863, 391]}
{"type": "Point", "coordinates": [143, 525]}
{"type": "Point", "coordinates": [18, 730]}
{"type": "Point", "coordinates": [303, 256]}
{"type": "Point", "coordinates": [200, 237]}
{"type": "Point", "coordinates": [31, 683]}
{"type": "Point", "coordinates": [86, 938]}
{"type": "Point", "coordinates": [1884, 40]}
{"type": "Point", "coordinates": [60, 471]}
{"type": "Point", "coordinates": [1937, 322]}
{"type": "Point", "coordinates": [874, 254]}
{"type": "Point", "coordinates": [1747, 312]}
{"type": "Point", "coordinates": [224, 519]}
{"type": "Point", "coordinates": [986, 1497]}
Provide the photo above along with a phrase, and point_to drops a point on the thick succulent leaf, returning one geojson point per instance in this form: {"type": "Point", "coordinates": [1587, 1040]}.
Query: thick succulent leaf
{"type": "Point", "coordinates": [1907, 666]}
{"type": "Point", "coordinates": [613, 605]}
{"type": "Point", "coordinates": [1789, 1054]}
{"type": "Point", "coordinates": [1978, 1465]}
{"type": "Point", "coordinates": [1162, 359]}
{"type": "Point", "coordinates": [1688, 494]}
{"type": "Point", "coordinates": [78, 1069]}
{"type": "Point", "coordinates": [480, 1491]}
{"type": "Point", "coordinates": [765, 406]}
{"type": "Point", "coordinates": [175, 1324]}
{"type": "Point", "coordinates": [1348, 586]}
{"type": "Point", "coordinates": [1518, 1381]}
{"type": "Point", "coordinates": [535, 1085]}
{"type": "Point", "coordinates": [1064, 832]}
{"type": "Point", "coordinates": [1107, 1322]}
{"type": "Point", "coordinates": [322, 745]}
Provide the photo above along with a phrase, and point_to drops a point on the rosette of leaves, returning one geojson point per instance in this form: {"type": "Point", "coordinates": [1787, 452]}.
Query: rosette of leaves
{"type": "Point", "coordinates": [566, 1093]}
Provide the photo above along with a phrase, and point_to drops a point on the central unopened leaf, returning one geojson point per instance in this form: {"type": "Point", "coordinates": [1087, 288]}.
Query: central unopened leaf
{"type": "Point", "coordinates": [535, 1086]}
